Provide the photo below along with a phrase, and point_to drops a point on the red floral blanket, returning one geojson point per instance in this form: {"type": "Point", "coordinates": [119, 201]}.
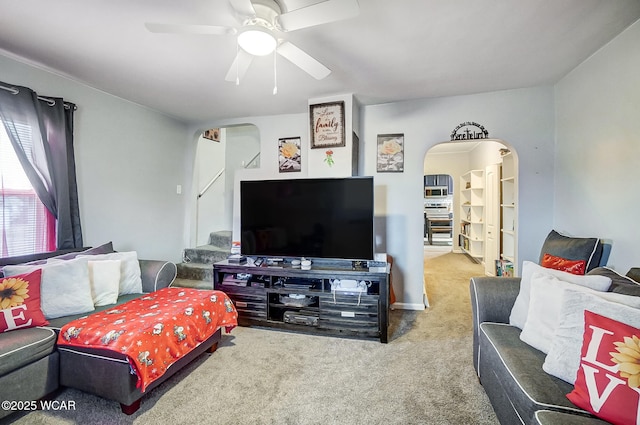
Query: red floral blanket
{"type": "Point", "coordinates": [155, 330]}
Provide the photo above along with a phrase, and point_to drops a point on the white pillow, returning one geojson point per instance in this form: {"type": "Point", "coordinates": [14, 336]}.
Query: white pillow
{"type": "Point", "coordinates": [104, 276]}
{"type": "Point", "coordinates": [563, 359]}
{"type": "Point", "coordinates": [130, 280]}
{"type": "Point", "coordinates": [545, 308]}
{"type": "Point", "coordinates": [520, 308]}
{"type": "Point", "coordinates": [65, 289]}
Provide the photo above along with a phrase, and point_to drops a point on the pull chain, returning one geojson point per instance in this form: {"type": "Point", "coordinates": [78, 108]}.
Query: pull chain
{"type": "Point", "coordinates": [275, 74]}
{"type": "Point", "coordinates": [237, 60]}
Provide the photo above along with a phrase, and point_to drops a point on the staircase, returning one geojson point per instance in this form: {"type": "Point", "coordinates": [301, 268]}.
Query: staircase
{"type": "Point", "coordinates": [196, 270]}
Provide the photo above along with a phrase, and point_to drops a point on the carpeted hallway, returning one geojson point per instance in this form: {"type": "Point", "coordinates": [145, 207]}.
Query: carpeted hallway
{"type": "Point", "coordinates": [424, 375]}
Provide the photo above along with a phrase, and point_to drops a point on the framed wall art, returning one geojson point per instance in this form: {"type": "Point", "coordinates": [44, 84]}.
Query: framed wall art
{"type": "Point", "coordinates": [212, 134]}
{"type": "Point", "coordinates": [327, 125]}
{"type": "Point", "coordinates": [390, 158]}
{"type": "Point", "coordinates": [289, 154]}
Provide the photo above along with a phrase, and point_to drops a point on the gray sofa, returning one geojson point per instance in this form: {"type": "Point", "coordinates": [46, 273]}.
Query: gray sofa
{"type": "Point", "coordinates": [30, 363]}
{"type": "Point", "coordinates": [510, 371]}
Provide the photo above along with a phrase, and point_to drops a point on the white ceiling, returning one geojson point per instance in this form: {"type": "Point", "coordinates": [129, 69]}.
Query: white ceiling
{"type": "Point", "coordinates": [393, 50]}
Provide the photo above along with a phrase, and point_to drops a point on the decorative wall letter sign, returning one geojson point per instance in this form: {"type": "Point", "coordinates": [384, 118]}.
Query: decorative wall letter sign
{"type": "Point", "coordinates": [469, 131]}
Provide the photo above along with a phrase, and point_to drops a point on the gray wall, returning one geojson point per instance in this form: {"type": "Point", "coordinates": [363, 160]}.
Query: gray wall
{"type": "Point", "coordinates": [126, 165]}
{"type": "Point", "coordinates": [522, 118]}
{"type": "Point", "coordinates": [598, 149]}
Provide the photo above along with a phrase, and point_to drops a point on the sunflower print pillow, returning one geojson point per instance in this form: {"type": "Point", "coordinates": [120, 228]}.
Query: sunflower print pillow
{"type": "Point", "coordinates": [20, 302]}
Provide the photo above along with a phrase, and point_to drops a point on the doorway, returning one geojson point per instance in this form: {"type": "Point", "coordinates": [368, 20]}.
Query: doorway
{"type": "Point", "coordinates": [475, 202]}
{"type": "Point", "coordinates": [220, 153]}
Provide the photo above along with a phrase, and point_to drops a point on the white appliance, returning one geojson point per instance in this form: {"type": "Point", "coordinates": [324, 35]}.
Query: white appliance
{"type": "Point", "coordinates": [438, 209]}
{"type": "Point", "coordinates": [436, 191]}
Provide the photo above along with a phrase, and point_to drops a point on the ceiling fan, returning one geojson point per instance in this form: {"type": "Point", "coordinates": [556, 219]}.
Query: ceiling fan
{"type": "Point", "coordinates": [261, 22]}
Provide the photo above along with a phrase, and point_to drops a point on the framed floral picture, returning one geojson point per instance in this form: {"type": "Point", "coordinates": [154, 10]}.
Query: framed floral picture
{"type": "Point", "coordinates": [327, 125]}
{"type": "Point", "coordinates": [390, 153]}
{"type": "Point", "coordinates": [289, 154]}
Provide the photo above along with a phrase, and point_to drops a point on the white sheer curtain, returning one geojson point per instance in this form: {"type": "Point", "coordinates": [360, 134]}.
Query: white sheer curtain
{"type": "Point", "coordinates": [26, 226]}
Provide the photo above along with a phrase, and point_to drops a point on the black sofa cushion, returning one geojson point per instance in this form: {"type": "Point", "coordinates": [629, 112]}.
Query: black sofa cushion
{"type": "Point", "coordinates": [19, 348]}
{"type": "Point", "coordinates": [572, 248]}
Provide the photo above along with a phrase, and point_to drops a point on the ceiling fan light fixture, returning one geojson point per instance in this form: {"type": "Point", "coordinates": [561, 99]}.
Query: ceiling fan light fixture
{"type": "Point", "coordinates": [257, 40]}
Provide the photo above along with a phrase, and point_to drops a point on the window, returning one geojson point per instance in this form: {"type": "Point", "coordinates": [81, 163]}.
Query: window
{"type": "Point", "coordinates": [26, 226]}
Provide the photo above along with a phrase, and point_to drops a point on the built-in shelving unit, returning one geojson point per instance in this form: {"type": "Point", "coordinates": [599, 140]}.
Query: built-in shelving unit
{"type": "Point", "coordinates": [508, 203]}
{"type": "Point", "coordinates": [472, 210]}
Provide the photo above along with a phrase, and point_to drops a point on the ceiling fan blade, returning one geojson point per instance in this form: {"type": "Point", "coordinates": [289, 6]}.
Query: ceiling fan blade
{"type": "Point", "coordinates": [243, 7]}
{"type": "Point", "coordinates": [300, 58]}
{"type": "Point", "coordinates": [239, 66]}
{"type": "Point", "coordinates": [319, 13]}
{"type": "Point", "coordinates": [189, 29]}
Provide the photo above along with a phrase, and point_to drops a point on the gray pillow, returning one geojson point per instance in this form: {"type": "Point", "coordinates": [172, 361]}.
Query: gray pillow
{"type": "Point", "coordinates": [43, 257]}
{"type": "Point", "coordinates": [634, 273]}
{"type": "Point", "coordinates": [619, 284]}
{"type": "Point", "coordinates": [571, 248]}
{"type": "Point", "coordinates": [106, 248]}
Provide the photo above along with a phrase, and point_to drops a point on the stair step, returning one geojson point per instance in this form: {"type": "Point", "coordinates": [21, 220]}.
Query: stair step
{"type": "Point", "coordinates": [195, 271]}
{"type": "Point", "coordinates": [192, 283]}
{"type": "Point", "coordinates": [221, 239]}
{"type": "Point", "coordinates": [206, 254]}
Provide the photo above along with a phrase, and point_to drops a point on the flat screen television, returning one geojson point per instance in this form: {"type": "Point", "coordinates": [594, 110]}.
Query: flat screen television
{"type": "Point", "coordinates": [312, 218]}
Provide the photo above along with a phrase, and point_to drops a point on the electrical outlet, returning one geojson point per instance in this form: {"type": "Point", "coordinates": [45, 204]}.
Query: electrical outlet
{"type": "Point", "coordinates": [179, 189]}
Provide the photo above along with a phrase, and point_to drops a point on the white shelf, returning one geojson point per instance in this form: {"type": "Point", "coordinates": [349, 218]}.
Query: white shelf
{"type": "Point", "coordinates": [472, 210]}
{"type": "Point", "coordinates": [508, 258]}
{"type": "Point", "coordinates": [508, 207]}
{"type": "Point", "coordinates": [473, 239]}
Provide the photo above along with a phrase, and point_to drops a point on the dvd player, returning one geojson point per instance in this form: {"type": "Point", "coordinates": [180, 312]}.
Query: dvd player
{"type": "Point", "coordinates": [300, 318]}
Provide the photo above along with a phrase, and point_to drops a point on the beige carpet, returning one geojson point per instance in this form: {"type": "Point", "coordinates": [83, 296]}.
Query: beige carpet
{"type": "Point", "coordinates": [424, 375]}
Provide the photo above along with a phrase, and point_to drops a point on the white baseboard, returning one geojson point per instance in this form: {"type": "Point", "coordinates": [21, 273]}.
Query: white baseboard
{"type": "Point", "coordinates": [407, 306]}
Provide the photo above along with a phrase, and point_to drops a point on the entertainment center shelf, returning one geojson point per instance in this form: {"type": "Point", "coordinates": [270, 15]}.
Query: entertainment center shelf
{"type": "Point", "coordinates": [290, 298]}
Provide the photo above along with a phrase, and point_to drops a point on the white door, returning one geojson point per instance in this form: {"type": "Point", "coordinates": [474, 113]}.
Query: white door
{"type": "Point", "coordinates": [492, 219]}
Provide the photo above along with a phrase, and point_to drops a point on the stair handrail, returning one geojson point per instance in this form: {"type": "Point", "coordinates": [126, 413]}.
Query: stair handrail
{"type": "Point", "coordinates": [252, 160]}
{"type": "Point", "coordinates": [212, 181]}
{"type": "Point", "coordinates": [221, 172]}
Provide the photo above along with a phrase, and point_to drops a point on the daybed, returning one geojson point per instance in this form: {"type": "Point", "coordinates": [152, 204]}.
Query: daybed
{"type": "Point", "coordinates": [528, 385]}
{"type": "Point", "coordinates": [32, 365]}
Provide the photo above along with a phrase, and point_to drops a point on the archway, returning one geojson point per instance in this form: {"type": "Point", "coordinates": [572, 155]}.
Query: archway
{"type": "Point", "coordinates": [220, 153]}
{"type": "Point", "coordinates": [482, 206]}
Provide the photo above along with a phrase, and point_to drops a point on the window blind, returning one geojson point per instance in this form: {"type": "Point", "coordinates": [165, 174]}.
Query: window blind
{"type": "Point", "coordinates": [23, 218]}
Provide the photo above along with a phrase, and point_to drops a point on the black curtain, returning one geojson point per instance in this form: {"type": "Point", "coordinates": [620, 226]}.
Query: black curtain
{"type": "Point", "coordinates": [48, 157]}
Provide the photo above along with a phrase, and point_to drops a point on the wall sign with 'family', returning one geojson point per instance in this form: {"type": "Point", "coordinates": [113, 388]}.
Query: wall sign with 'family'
{"type": "Point", "coordinates": [469, 131]}
{"type": "Point", "coordinates": [327, 125]}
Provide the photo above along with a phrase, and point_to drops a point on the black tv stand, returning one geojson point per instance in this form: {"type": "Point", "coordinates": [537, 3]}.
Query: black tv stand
{"type": "Point", "coordinates": [290, 298]}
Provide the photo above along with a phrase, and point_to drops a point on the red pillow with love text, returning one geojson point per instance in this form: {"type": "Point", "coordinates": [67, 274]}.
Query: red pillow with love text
{"type": "Point", "coordinates": [558, 263]}
{"type": "Point", "coordinates": [608, 381]}
{"type": "Point", "coordinates": [20, 302]}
